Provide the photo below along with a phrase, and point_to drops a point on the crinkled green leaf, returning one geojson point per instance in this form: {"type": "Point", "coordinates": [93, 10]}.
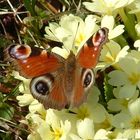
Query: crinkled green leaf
{"type": "Point", "coordinates": [6, 111]}
{"type": "Point", "coordinates": [108, 89]}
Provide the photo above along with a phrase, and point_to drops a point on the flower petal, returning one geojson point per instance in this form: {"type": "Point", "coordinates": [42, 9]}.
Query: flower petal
{"type": "Point", "coordinates": [108, 22]}
{"type": "Point", "coordinates": [85, 128]}
{"type": "Point", "coordinates": [117, 78]}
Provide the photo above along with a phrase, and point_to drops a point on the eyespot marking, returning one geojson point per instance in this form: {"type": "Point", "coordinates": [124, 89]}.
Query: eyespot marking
{"type": "Point", "coordinates": [19, 51]}
{"type": "Point", "coordinates": [42, 85]}
{"type": "Point", "coordinates": [87, 78]}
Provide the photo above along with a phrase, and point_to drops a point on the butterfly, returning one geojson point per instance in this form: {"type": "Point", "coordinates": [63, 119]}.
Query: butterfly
{"type": "Point", "coordinates": [57, 82]}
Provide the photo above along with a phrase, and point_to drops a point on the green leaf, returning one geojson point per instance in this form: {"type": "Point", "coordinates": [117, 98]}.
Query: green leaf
{"type": "Point", "coordinates": [6, 111]}
{"type": "Point", "coordinates": [6, 136]}
{"type": "Point", "coordinates": [30, 6]}
{"type": "Point", "coordinates": [108, 89]}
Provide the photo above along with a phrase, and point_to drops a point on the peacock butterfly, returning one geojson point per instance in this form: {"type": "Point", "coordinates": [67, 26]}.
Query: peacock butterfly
{"type": "Point", "coordinates": [57, 82]}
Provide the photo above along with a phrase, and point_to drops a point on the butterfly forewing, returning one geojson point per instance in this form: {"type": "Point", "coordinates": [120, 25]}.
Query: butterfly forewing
{"type": "Point", "coordinates": [90, 52]}
{"type": "Point", "coordinates": [37, 63]}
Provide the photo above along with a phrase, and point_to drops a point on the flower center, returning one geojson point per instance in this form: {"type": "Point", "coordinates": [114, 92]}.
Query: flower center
{"type": "Point", "coordinates": [109, 58]}
{"type": "Point", "coordinates": [124, 103]}
{"type": "Point", "coordinates": [79, 39]}
{"type": "Point", "coordinates": [111, 135]}
{"type": "Point", "coordinates": [134, 78]}
{"type": "Point", "coordinates": [57, 133]}
{"type": "Point", "coordinates": [135, 122]}
{"type": "Point", "coordinates": [83, 112]}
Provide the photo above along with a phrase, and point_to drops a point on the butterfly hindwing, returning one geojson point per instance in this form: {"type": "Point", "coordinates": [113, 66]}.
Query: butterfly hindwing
{"type": "Point", "coordinates": [48, 89]}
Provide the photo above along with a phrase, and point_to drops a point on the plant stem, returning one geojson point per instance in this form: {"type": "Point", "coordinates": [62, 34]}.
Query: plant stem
{"type": "Point", "coordinates": [129, 24]}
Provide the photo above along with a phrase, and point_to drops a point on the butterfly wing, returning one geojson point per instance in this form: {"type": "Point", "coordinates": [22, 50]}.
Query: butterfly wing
{"type": "Point", "coordinates": [48, 89]}
{"type": "Point", "coordinates": [31, 61]}
{"type": "Point", "coordinates": [87, 59]}
{"type": "Point", "coordinates": [90, 52]}
{"type": "Point", "coordinates": [45, 69]}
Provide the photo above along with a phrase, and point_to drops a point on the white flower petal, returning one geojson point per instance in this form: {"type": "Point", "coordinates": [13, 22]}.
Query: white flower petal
{"type": "Point", "coordinates": [137, 134]}
{"type": "Point", "coordinates": [90, 21]}
{"type": "Point", "coordinates": [115, 105]}
{"type": "Point", "coordinates": [25, 99]}
{"type": "Point", "coordinates": [118, 30]}
{"type": "Point", "coordinates": [108, 22]}
{"type": "Point", "coordinates": [129, 134]}
{"type": "Point", "coordinates": [117, 78]}
{"type": "Point", "coordinates": [127, 91]}
{"type": "Point", "coordinates": [44, 131]}
{"type": "Point", "coordinates": [75, 137]}
{"type": "Point", "coordinates": [121, 3]}
{"type": "Point", "coordinates": [137, 44]}
{"type": "Point", "coordinates": [128, 65]}
{"type": "Point", "coordinates": [98, 114]}
{"type": "Point", "coordinates": [52, 119]}
{"type": "Point", "coordinates": [134, 107]}
{"type": "Point", "coordinates": [66, 126]}
{"type": "Point", "coordinates": [62, 52]}
{"type": "Point", "coordinates": [34, 136]}
{"type": "Point", "coordinates": [93, 7]}
{"type": "Point", "coordinates": [101, 134]}
{"type": "Point", "coordinates": [122, 53]}
{"type": "Point", "coordinates": [35, 106]}
{"type": "Point", "coordinates": [85, 128]}
{"type": "Point", "coordinates": [137, 26]}
{"type": "Point", "coordinates": [121, 120]}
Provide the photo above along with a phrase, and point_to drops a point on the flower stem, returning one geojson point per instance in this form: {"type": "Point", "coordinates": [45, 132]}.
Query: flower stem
{"type": "Point", "coordinates": [129, 24]}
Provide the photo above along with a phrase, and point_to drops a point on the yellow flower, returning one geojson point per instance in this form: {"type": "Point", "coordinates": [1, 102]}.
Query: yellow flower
{"type": "Point", "coordinates": [86, 109]}
{"type": "Point", "coordinates": [109, 22]}
{"type": "Point", "coordinates": [129, 120]}
{"type": "Point", "coordinates": [128, 77]}
{"type": "Point", "coordinates": [72, 31]}
{"type": "Point", "coordinates": [107, 7]}
{"type": "Point", "coordinates": [111, 54]}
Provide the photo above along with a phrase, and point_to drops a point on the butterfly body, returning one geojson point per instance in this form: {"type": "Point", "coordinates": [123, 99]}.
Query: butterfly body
{"type": "Point", "coordinates": [57, 82]}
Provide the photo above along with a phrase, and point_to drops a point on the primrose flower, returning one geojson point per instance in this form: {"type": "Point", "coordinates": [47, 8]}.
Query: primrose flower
{"type": "Point", "coordinates": [106, 124]}
{"type": "Point", "coordinates": [137, 28]}
{"type": "Point", "coordinates": [24, 88]}
{"type": "Point", "coordinates": [85, 130]}
{"type": "Point", "coordinates": [128, 77]}
{"type": "Point", "coordinates": [106, 7]}
{"type": "Point", "coordinates": [72, 31]}
{"type": "Point", "coordinates": [51, 127]}
{"type": "Point", "coordinates": [26, 98]}
{"type": "Point", "coordinates": [36, 107]}
{"type": "Point", "coordinates": [120, 102]}
{"type": "Point", "coordinates": [105, 135]}
{"type": "Point", "coordinates": [91, 109]}
{"type": "Point", "coordinates": [135, 7]}
{"type": "Point", "coordinates": [109, 22]}
{"type": "Point", "coordinates": [129, 119]}
{"type": "Point", "coordinates": [34, 121]}
{"type": "Point", "coordinates": [111, 54]}
{"type": "Point", "coordinates": [129, 134]}
{"type": "Point", "coordinates": [137, 44]}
